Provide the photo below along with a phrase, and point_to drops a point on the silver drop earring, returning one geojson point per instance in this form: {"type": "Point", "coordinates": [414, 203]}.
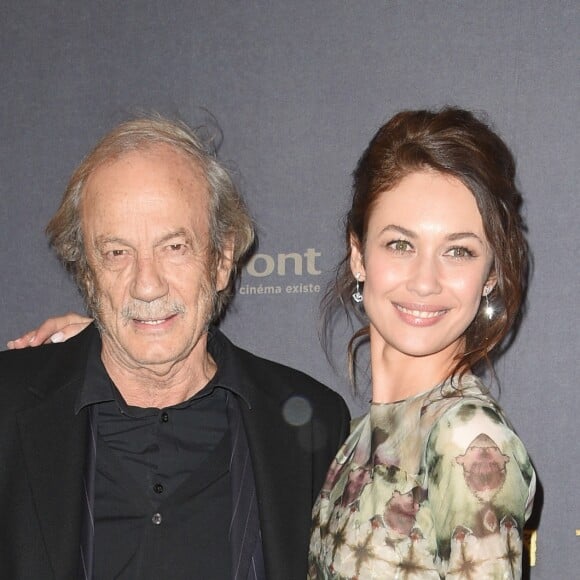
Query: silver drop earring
{"type": "Point", "coordinates": [488, 310]}
{"type": "Point", "coordinates": [357, 296]}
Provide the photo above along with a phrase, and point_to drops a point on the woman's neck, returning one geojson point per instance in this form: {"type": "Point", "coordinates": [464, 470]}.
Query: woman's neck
{"type": "Point", "coordinates": [397, 376]}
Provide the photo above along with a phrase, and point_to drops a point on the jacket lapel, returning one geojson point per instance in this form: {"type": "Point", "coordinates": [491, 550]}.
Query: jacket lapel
{"type": "Point", "coordinates": [281, 457]}
{"type": "Point", "coordinates": [245, 524]}
{"type": "Point", "coordinates": [283, 483]}
{"type": "Point", "coordinates": [54, 443]}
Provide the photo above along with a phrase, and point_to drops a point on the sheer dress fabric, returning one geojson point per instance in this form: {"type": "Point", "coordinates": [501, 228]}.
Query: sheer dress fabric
{"type": "Point", "coordinates": [435, 486]}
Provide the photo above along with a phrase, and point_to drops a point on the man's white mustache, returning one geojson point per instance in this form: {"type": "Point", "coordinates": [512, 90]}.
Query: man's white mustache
{"type": "Point", "coordinates": [151, 310]}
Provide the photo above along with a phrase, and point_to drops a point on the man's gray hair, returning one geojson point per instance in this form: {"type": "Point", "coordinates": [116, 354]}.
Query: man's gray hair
{"type": "Point", "coordinates": [229, 220]}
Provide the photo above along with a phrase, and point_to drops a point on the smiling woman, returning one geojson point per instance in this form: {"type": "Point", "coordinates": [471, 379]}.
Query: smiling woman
{"type": "Point", "coordinates": [424, 264]}
{"type": "Point", "coordinates": [432, 482]}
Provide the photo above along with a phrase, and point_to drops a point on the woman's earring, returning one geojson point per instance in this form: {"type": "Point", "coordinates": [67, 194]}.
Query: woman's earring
{"type": "Point", "coordinates": [488, 310]}
{"type": "Point", "coordinates": [357, 296]}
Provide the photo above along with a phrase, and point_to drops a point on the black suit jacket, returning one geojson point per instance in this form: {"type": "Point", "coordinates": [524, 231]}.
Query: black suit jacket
{"type": "Point", "coordinates": [43, 446]}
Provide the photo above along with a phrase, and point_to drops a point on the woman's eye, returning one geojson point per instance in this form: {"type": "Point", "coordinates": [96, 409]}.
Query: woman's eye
{"type": "Point", "coordinates": [400, 246]}
{"type": "Point", "coordinates": [460, 252]}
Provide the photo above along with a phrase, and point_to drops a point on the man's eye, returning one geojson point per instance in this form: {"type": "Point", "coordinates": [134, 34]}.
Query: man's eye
{"type": "Point", "coordinates": [176, 249]}
{"type": "Point", "coordinates": [116, 253]}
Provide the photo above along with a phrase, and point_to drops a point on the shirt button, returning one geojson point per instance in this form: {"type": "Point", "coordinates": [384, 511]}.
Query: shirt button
{"type": "Point", "coordinates": [156, 519]}
{"type": "Point", "coordinates": [164, 417]}
{"type": "Point", "coordinates": [158, 488]}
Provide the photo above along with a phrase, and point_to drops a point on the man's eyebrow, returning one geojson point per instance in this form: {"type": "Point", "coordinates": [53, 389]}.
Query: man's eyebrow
{"type": "Point", "coordinates": [103, 240]}
{"type": "Point", "coordinates": [174, 234]}
{"type": "Point", "coordinates": [178, 233]}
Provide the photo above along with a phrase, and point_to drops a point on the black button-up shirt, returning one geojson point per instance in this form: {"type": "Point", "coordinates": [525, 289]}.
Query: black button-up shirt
{"type": "Point", "coordinates": [162, 486]}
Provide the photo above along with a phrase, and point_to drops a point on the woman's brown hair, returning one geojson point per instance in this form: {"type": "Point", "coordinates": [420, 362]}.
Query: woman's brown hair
{"type": "Point", "coordinates": [453, 142]}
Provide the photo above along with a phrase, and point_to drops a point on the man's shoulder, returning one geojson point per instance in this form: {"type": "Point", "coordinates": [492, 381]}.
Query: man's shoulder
{"type": "Point", "coordinates": [274, 375]}
{"type": "Point", "coordinates": [31, 365]}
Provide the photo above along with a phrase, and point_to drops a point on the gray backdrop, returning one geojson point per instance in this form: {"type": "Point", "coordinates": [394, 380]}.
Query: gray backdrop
{"type": "Point", "coordinates": [298, 89]}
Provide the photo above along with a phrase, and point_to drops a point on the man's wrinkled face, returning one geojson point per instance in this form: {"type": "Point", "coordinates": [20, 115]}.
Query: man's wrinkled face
{"type": "Point", "coordinates": [146, 229]}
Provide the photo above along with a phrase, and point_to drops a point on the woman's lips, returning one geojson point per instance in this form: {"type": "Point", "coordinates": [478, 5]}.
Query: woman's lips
{"type": "Point", "coordinates": [420, 315]}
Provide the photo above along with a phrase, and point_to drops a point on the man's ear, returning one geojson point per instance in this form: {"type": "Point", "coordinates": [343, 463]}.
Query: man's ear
{"type": "Point", "coordinates": [356, 258]}
{"type": "Point", "coordinates": [225, 264]}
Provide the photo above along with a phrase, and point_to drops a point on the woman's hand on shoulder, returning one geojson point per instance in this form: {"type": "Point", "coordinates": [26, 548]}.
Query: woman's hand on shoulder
{"type": "Point", "coordinates": [56, 329]}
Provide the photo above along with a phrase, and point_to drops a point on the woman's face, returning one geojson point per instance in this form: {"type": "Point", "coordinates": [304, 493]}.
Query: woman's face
{"type": "Point", "coordinates": [424, 265]}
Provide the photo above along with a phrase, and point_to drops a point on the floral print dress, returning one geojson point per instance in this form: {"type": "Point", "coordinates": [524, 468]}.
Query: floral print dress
{"type": "Point", "coordinates": [435, 486]}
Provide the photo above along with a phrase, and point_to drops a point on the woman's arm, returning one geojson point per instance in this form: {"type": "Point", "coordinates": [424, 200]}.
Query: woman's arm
{"type": "Point", "coordinates": [57, 329]}
{"type": "Point", "coordinates": [481, 487]}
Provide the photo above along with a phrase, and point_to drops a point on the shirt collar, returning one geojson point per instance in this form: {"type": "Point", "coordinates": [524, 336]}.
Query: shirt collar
{"type": "Point", "coordinates": [229, 372]}
{"type": "Point", "coordinates": [97, 386]}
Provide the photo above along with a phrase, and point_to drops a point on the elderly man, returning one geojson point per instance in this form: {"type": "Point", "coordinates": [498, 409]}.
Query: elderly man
{"type": "Point", "coordinates": [149, 446]}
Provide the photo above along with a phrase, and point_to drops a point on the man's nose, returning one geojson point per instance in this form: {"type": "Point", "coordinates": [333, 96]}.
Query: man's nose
{"type": "Point", "coordinates": [148, 283]}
